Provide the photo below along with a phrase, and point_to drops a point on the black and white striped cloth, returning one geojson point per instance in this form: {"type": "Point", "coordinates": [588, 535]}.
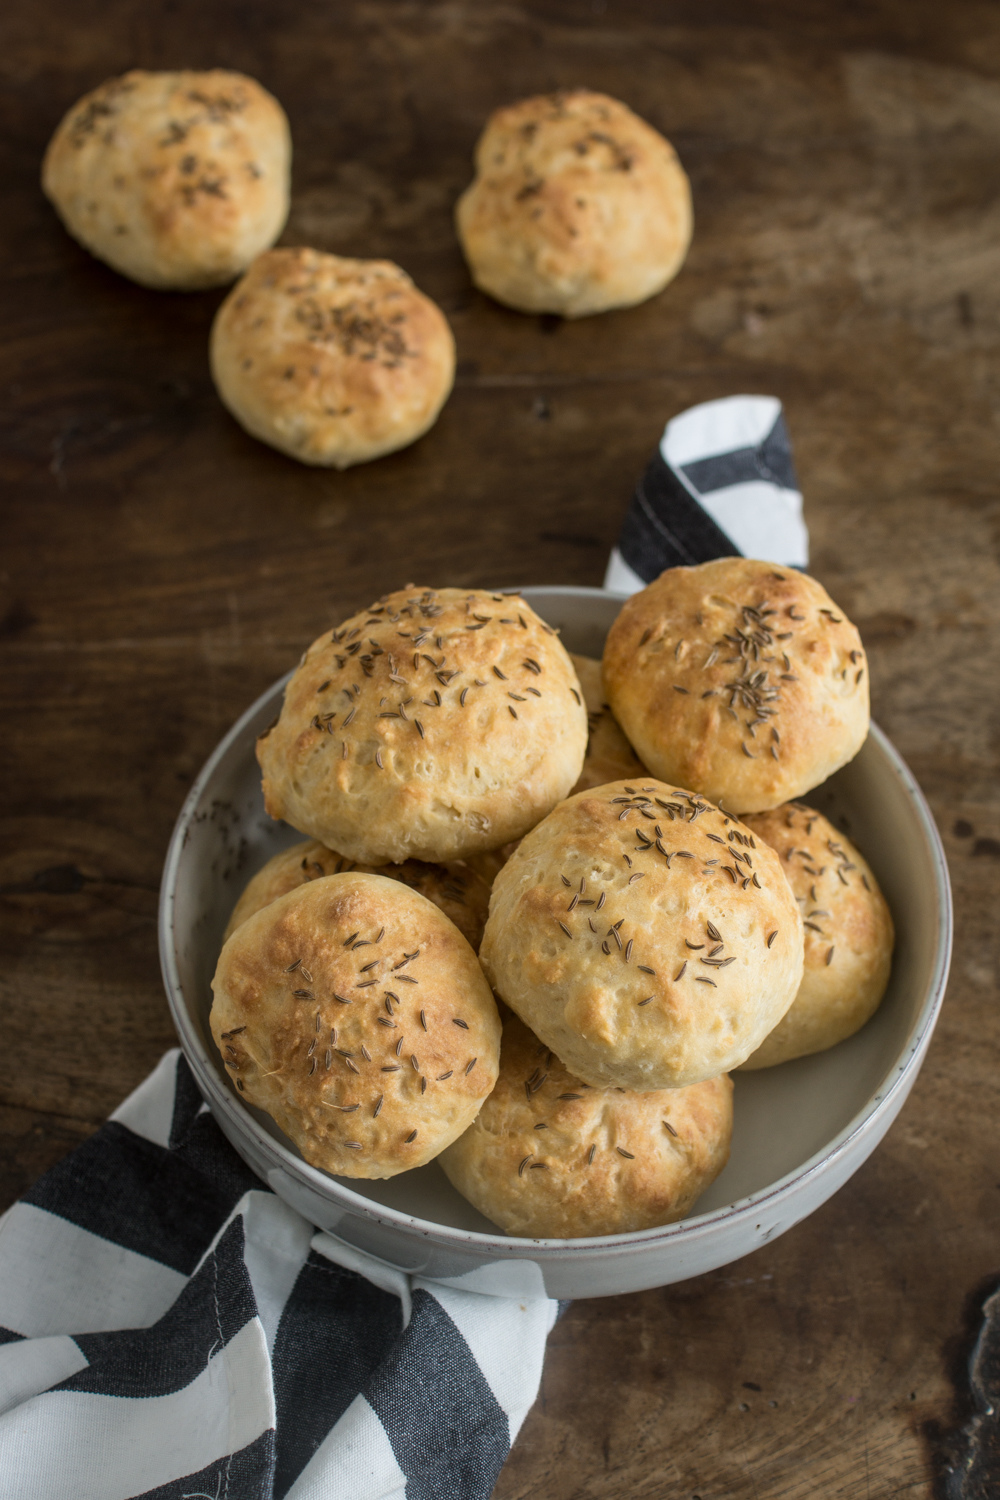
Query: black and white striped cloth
{"type": "Point", "coordinates": [172, 1330]}
{"type": "Point", "coordinates": [722, 483]}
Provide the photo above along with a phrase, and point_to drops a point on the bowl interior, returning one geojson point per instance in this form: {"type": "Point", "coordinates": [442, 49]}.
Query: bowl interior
{"type": "Point", "coordinates": [784, 1116]}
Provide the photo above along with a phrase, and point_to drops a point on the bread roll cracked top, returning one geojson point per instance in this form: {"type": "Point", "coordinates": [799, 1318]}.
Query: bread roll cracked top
{"type": "Point", "coordinates": [333, 361]}
{"type": "Point", "coordinates": [432, 726]}
{"type": "Point", "coordinates": [577, 206]}
{"type": "Point", "coordinates": [176, 180]}
{"type": "Point", "coordinates": [549, 1157]}
{"type": "Point", "coordinates": [646, 937]}
{"type": "Point", "coordinates": [738, 679]}
{"type": "Point", "coordinates": [848, 934]}
{"type": "Point", "coordinates": [356, 1015]}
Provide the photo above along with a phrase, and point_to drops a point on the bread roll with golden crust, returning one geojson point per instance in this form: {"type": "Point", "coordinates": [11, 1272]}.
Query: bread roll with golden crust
{"type": "Point", "coordinates": [577, 206]}
{"type": "Point", "coordinates": [457, 889]}
{"type": "Point", "coordinates": [848, 928]}
{"type": "Point", "coordinates": [609, 756]}
{"type": "Point", "coordinates": [334, 361]}
{"type": "Point", "coordinates": [645, 936]}
{"type": "Point", "coordinates": [176, 180]}
{"type": "Point", "coordinates": [433, 726]}
{"type": "Point", "coordinates": [738, 679]}
{"type": "Point", "coordinates": [356, 1015]}
{"type": "Point", "coordinates": [548, 1157]}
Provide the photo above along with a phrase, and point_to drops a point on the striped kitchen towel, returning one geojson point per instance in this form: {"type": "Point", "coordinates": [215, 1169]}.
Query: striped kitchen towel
{"type": "Point", "coordinates": [721, 484]}
{"type": "Point", "coordinates": [171, 1329]}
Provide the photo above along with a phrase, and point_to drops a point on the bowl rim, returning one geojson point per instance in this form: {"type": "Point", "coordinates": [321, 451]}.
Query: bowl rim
{"type": "Point", "coordinates": [512, 1246]}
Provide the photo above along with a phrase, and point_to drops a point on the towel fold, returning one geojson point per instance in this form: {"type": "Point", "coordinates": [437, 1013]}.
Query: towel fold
{"type": "Point", "coordinates": [721, 483]}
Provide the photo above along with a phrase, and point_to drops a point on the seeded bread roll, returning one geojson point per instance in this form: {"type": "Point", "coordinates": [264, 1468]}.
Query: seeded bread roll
{"type": "Point", "coordinates": [548, 1157]}
{"type": "Point", "coordinates": [432, 726]}
{"type": "Point", "coordinates": [174, 179]}
{"type": "Point", "coordinates": [577, 206]}
{"type": "Point", "coordinates": [334, 361]}
{"type": "Point", "coordinates": [457, 889]}
{"type": "Point", "coordinates": [738, 679]}
{"type": "Point", "coordinates": [356, 1015]}
{"type": "Point", "coordinates": [609, 756]}
{"type": "Point", "coordinates": [848, 934]}
{"type": "Point", "coordinates": [645, 936]}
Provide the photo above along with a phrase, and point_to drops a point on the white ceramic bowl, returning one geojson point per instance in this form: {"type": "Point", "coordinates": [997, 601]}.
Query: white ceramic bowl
{"type": "Point", "coordinates": [800, 1130]}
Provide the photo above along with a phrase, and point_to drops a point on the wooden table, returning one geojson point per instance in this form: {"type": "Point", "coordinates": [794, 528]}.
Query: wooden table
{"type": "Point", "coordinates": [160, 569]}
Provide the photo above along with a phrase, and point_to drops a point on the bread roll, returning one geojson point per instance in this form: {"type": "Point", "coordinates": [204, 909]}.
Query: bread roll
{"type": "Point", "coordinates": [609, 756]}
{"type": "Point", "coordinates": [549, 1157]}
{"type": "Point", "coordinates": [333, 361]}
{"type": "Point", "coordinates": [176, 180]}
{"type": "Point", "coordinates": [848, 934]}
{"type": "Point", "coordinates": [457, 889]}
{"type": "Point", "coordinates": [432, 726]}
{"type": "Point", "coordinates": [577, 206]}
{"type": "Point", "coordinates": [741, 680]}
{"type": "Point", "coordinates": [647, 938]}
{"type": "Point", "coordinates": [356, 1015]}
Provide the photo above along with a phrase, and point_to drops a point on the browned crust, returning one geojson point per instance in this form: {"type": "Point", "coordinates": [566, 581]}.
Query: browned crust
{"type": "Point", "coordinates": [550, 1157]}
{"type": "Point", "coordinates": [645, 936]}
{"type": "Point", "coordinates": [356, 1015]}
{"type": "Point", "coordinates": [334, 361]}
{"type": "Point", "coordinates": [174, 179]}
{"type": "Point", "coordinates": [738, 679]}
{"type": "Point", "coordinates": [435, 725]}
{"type": "Point", "coordinates": [577, 205]}
{"type": "Point", "coordinates": [848, 930]}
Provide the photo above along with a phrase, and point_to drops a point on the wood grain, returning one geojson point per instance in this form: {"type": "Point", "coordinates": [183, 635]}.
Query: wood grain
{"type": "Point", "coordinates": [160, 568]}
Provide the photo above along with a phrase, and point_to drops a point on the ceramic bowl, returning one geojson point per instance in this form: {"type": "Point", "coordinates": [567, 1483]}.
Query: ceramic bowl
{"type": "Point", "coordinates": [800, 1130]}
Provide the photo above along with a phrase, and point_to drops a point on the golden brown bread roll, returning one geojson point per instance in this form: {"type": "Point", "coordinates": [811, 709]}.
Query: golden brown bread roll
{"type": "Point", "coordinates": [457, 889]}
{"type": "Point", "coordinates": [645, 936]}
{"type": "Point", "coordinates": [609, 756]}
{"type": "Point", "coordinates": [174, 179]}
{"type": "Point", "coordinates": [577, 206]}
{"type": "Point", "coordinates": [848, 934]}
{"type": "Point", "coordinates": [551, 1158]}
{"type": "Point", "coordinates": [435, 725]}
{"type": "Point", "coordinates": [334, 361]}
{"type": "Point", "coordinates": [356, 1015]}
{"type": "Point", "coordinates": [738, 679]}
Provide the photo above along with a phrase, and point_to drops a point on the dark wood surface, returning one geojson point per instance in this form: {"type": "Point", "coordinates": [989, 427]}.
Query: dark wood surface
{"type": "Point", "coordinates": [159, 569]}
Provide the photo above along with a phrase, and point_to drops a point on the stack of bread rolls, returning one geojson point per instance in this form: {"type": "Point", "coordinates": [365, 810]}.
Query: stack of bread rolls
{"type": "Point", "coordinates": [615, 852]}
